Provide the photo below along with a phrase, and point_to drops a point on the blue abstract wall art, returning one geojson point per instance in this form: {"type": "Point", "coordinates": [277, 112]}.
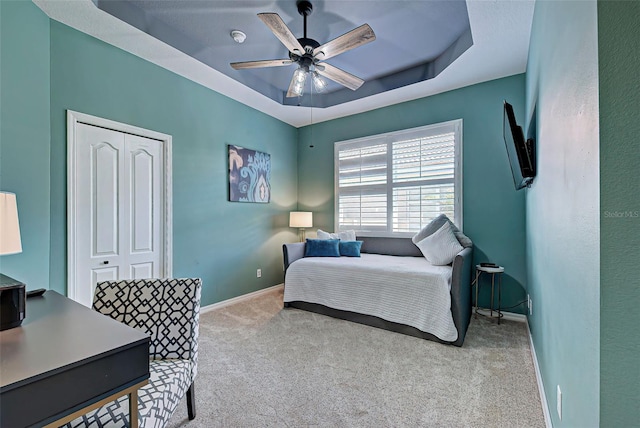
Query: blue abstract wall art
{"type": "Point", "coordinates": [249, 175]}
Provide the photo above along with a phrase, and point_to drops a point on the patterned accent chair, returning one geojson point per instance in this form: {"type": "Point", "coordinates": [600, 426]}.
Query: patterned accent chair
{"type": "Point", "coordinates": [168, 310]}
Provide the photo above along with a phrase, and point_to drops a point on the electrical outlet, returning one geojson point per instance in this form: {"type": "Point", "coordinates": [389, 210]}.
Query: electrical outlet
{"type": "Point", "coordinates": [559, 403]}
{"type": "Point", "coordinates": [259, 273]}
{"type": "Point", "coordinates": [530, 306]}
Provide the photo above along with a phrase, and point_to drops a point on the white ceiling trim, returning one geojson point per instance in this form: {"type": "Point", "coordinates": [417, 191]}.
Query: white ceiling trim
{"type": "Point", "coordinates": [501, 30]}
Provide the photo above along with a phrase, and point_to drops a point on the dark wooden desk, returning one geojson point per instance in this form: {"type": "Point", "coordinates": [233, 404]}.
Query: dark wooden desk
{"type": "Point", "coordinates": [63, 359]}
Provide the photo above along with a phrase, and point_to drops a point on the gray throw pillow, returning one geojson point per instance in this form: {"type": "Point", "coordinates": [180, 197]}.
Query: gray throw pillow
{"type": "Point", "coordinates": [436, 224]}
{"type": "Point", "coordinates": [441, 247]}
{"type": "Point", "coordinates": [463, 239]}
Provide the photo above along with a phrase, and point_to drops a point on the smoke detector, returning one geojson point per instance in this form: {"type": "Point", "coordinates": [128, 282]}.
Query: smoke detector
{"type": "Point", "coordinates": [238, 36]}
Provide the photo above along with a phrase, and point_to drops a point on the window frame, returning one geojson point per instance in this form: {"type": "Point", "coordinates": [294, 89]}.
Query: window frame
{"type": "Point", "coordinates": [389, 138]}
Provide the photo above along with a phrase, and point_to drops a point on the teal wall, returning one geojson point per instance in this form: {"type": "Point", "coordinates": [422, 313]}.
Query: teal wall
{"type": "Point", "coordinates": [563, 239]}
{"type": "Point", "coordinates": [493, 212]}
{"type": "Point", "coordinates": [618, 40]}
{"type": "Point", "coordinates": [25, 135]}
{"type": "Point", "coordinates": [221, 242]}
{"type": "Point", "coordinates": [48, 68]}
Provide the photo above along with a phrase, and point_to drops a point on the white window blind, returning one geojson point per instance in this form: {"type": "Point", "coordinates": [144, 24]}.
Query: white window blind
{"type": "Point", "coordinates": [362, 179]}
{"type": "Point", "coordinates": [394, 184]}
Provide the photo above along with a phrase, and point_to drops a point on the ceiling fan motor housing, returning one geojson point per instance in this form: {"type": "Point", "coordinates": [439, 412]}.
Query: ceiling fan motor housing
{"type": "Point", "coordinates": [307, 58]}
{"type": "Point", "coordinates": [305, 8]}
{"type": "Point", "coordinates": [306, 43]}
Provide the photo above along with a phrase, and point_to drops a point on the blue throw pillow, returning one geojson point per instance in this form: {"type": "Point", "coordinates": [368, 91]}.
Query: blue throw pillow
{"type": "Point", "coordinates": [350, 248]}
{"type": "Point", "coordinates": [322, 248]}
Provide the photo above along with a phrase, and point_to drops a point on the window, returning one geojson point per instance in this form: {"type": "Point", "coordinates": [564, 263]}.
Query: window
{"type": "Point", "coordinates": [394, 184]}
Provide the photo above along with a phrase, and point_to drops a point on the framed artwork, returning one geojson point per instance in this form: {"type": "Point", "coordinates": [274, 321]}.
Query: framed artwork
{"type": "Point", "coordinates": [249, 175]}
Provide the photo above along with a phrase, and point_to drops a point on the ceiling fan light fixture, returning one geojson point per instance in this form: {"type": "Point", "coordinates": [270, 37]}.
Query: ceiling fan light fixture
{"type": "Point", "coordinates": [318, 82]}
{"type": "Point", "coordinates": [299, 77]}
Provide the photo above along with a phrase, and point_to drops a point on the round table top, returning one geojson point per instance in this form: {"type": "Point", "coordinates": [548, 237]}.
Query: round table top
{"type": "Point", "coordinates": [499, 269]}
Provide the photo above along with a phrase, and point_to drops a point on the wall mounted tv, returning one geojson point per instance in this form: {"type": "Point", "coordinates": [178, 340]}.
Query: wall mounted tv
{"type": "Point", "coordinates": [521, 152]}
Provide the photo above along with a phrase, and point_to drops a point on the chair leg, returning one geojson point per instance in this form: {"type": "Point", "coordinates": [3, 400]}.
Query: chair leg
{"type": "Point", "coordinates": [191, 402]}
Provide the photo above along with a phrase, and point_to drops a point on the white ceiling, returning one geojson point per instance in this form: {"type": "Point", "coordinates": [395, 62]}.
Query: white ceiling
{"type": "Point", "coordinates": [500, 29]}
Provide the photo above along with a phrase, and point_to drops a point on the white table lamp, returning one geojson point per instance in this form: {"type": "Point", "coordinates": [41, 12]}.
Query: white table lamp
{"type": "Point", "coordinates": [12, 292]}
{"type": "Point", "coordinates": [10, 242]}
{"type": "Point", "coordinates": [301, 220]}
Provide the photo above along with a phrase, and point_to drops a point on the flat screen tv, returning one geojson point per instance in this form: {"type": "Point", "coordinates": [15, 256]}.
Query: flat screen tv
{"type": "Point", "coordinates": [521, 152]}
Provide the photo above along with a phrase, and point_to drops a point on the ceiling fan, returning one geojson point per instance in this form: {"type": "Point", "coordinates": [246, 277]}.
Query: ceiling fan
{"type": "Point", "coordinates": [309, 54]}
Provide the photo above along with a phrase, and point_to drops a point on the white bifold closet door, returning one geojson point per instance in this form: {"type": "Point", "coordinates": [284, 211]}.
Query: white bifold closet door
{"type": "Point", "coordinates": [119, 208]}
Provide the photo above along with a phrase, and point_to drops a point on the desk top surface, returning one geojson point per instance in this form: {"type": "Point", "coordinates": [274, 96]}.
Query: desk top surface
{"type": "Point", "coordinates": [56, 335]}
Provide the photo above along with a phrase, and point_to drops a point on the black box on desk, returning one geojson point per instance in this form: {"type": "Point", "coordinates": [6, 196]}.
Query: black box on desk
{"type": "Point", "coordinates": [12, 302]}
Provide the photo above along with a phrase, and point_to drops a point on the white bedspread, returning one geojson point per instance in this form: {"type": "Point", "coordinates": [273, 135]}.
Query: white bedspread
{"type": "Point", "coordinates": [405, 290]}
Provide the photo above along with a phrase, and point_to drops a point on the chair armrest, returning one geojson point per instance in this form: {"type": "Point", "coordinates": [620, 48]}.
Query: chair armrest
{"type": "Point", "coordinates": [292, 252]}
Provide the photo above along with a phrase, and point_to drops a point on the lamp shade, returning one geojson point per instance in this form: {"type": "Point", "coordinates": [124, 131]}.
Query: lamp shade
{"type": "Point", "coordinates": [10, 242]}
{"type": "Point", "coordinates": [300, 219]}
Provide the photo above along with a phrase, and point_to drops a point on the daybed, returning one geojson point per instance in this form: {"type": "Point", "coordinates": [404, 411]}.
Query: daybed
{"type": "Point", "coordinates": [392, 286]}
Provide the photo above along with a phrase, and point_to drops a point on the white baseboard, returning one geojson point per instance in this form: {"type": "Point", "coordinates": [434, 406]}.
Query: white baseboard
{"type": "Point", "coordinates": [511, 316]}
{"type": "Point", "coordinates": [543, 395]}
{"type": "Point", "coordinates": [228, 302]}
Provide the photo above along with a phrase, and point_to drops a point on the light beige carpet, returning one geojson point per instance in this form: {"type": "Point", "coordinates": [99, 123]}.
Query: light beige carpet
{"type": "Point", "coordinates": [264, 366]}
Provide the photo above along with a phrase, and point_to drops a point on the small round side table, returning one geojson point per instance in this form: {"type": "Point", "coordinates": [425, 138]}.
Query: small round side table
{"type": "Point", "coordinates": [493, 271]}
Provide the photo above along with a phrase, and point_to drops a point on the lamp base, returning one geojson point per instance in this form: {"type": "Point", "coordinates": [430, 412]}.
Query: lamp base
{"type": "Point", "coordinates": [302, 234]}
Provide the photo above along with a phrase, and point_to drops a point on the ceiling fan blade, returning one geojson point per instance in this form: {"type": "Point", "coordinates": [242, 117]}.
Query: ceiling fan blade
{"type": "Point", "coordinates": [282, 32]}
{"type": "Point", "coordinates": [261, 64]}
{"type": "Point", "coordinates": [354, 38]}
{"type": "Point", "coordinates": [337, 75]}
